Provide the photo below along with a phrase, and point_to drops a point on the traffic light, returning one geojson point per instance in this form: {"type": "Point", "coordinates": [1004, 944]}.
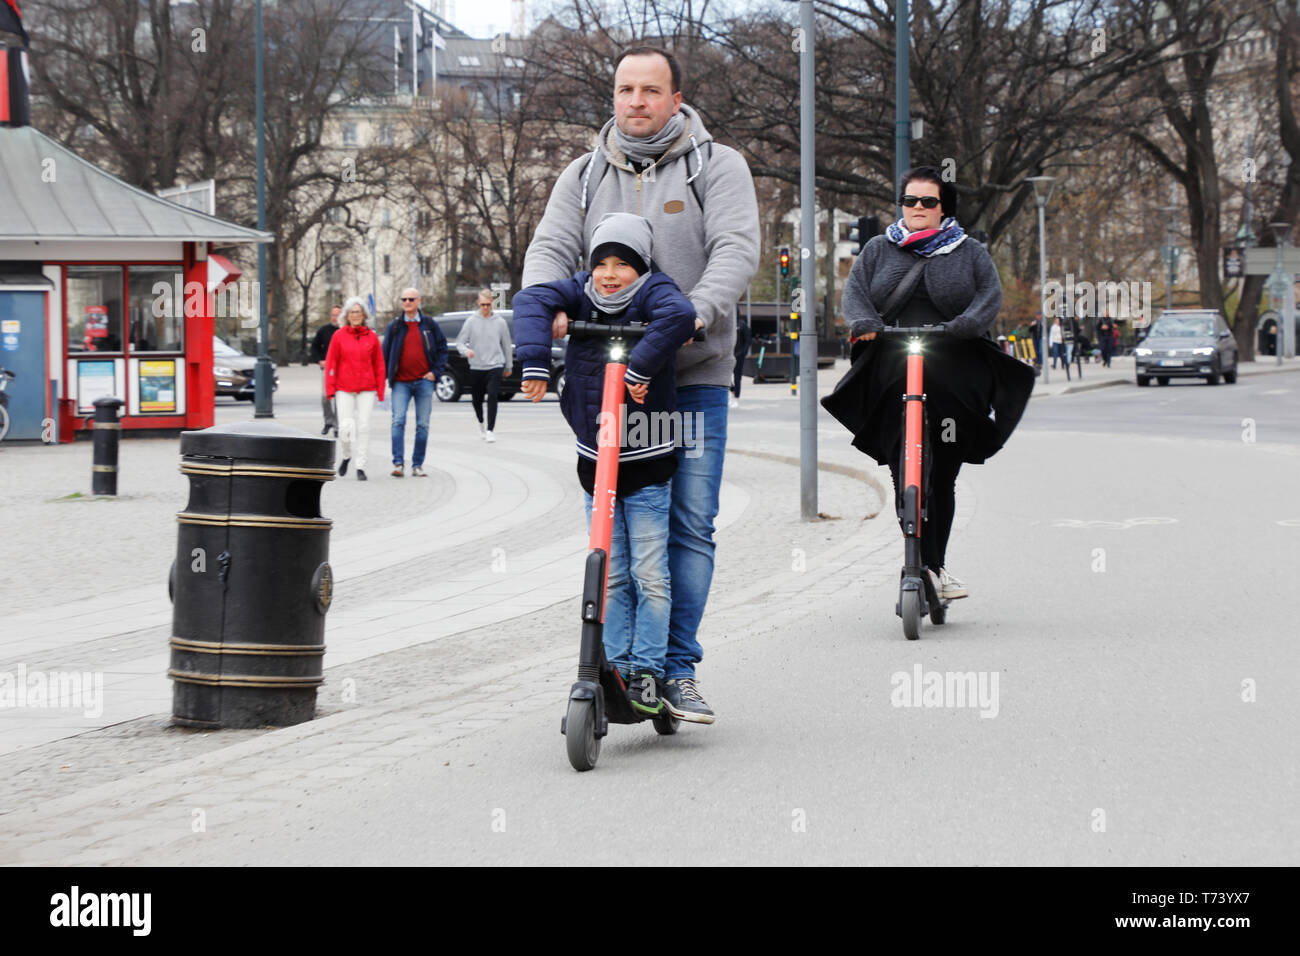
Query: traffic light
{"type": "Point", "coordinates": [785, 262]}
{"type": "Point", "coordinates": [868, 228]}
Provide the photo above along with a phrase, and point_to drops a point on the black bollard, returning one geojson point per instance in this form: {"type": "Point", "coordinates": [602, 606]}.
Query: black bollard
{"type": "Point", "coordinates": [103, 477]}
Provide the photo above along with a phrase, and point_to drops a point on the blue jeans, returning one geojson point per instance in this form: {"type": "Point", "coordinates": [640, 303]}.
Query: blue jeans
{"type": "Point", "coordinates": [690, 527]}
{"type": "Point", "coordinates": [637, 605]}
{"type": "Point", "coordinates": [422, 391]}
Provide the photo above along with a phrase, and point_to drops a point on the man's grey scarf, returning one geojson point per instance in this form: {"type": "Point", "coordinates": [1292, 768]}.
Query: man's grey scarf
{"type": "Point", "coordinates": [618, 302]}
{"type": "Point", "coordinates": [641, 149]}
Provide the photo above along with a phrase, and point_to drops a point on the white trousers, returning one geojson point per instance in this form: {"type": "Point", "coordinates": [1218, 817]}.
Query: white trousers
{"type": "Point", "coordinates": [354, 410]}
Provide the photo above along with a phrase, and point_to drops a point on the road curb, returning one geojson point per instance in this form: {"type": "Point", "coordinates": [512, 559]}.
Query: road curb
{"type": "Point", "coordinates": [831, 466]}
{"type": "Point", "coordinates": [1092, 386]}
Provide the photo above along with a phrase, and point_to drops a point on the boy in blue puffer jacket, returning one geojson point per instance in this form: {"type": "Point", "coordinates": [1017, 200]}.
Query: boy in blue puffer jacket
{"type": "Point", "coordinates": [621, 288]}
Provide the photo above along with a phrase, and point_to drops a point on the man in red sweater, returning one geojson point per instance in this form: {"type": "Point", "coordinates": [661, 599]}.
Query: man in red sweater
{"type": "Point", "coordinates": [415, 354]}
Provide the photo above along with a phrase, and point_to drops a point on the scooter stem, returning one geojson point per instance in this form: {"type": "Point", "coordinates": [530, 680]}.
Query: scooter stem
{"type": "Point", "coordinates": [605, 487]}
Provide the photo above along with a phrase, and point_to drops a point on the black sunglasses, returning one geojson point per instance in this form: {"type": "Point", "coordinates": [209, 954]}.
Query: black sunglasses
{"type": "Point", "coordinates": [409, 298]}
{"type": "Point", "coordinates": [928, 202]}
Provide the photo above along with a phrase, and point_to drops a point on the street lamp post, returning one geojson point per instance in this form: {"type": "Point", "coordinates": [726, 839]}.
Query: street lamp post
{"type": "Point", "coordinates": [1170, 257]}
{"type": "Point", "coordinates": [1044, 186]}
{"type": "Point", "coordinates": [807, 273]}
{"type": "Point", "coordinates": [902, 97]}
{"type": "Point", "coordinates": [1282, 288]}
{"type": "Point", "coordinates": [374, 299]}
{"type": "Point", "coordinates": [263, 377]}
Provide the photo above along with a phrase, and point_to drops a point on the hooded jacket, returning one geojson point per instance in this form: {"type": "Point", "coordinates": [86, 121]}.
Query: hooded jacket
{"type": "Point", "coordinates": [355, 362]}
{"type": "Point", "coordinates": [710, 253]}
{"type": "Point", "coordinates": [671, 319]}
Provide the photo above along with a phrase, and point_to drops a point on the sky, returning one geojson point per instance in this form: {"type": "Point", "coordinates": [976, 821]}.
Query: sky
{"type": "Point", "coordinates": [478, 18]}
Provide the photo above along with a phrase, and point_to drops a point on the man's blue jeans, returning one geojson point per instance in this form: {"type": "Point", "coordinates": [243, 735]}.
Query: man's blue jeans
{"type": "Point", "coordinates": [422, 391]}
{"type": "Point", "coordinates": [637, 604]}
{"type": "Point", "coordinates": [690, 525]}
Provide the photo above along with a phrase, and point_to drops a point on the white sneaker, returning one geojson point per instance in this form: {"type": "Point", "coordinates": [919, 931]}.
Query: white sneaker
{"type": "Point", "coordinates": [482, 429]}
{"type": "Point", "coordinates": [950, 588]}
{"type": "Point", "coordinates": [487, 436]}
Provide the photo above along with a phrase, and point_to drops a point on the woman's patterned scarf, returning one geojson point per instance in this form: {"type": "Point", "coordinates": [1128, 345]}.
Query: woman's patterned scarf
{"type": "Point", "coordinates": [928, 242]}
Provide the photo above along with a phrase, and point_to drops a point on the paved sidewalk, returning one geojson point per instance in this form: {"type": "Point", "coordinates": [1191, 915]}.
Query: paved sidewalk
{"type": "Point", "coordinates": [415, 561]}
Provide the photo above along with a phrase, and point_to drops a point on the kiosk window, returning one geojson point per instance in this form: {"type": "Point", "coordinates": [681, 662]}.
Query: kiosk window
{"type": "Point", "coordinates": [156, 314]}
{"type": "Point", "coordinates": [94, 309]}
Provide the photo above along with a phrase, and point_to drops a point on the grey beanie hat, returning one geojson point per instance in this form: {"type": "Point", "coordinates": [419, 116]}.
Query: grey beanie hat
{"type": "Point", "coordinates": [625, 235]}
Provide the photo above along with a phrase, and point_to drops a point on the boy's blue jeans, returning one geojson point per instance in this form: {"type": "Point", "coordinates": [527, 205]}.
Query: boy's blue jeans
{"type": "Point", "coordinates": [421, 390]}
{"type": "Point", "coordinates": [638, 598]}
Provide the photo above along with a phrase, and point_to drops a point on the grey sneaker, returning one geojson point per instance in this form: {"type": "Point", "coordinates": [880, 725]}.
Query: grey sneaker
{"type": "Point", "coordinates": [683, 700]}
{"type": "Point", "coordinates": [417, 472]}
{"type": "Point", "coordinates": [950, 588]}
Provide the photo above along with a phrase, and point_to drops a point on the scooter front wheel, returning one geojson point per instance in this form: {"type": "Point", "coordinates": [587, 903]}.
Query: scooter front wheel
{"type": "Point", "coordinates": [911, 608]}
{"type": "Point", "coordinates": [580, 740]}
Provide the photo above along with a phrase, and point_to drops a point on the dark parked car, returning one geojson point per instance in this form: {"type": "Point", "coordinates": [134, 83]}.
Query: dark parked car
{"type": "Point", "coordinates": [454, 382]}
{"type": "Point", "coordinates": [1187, 343]}
{"type": "Point", "coordinates": [232, 371]}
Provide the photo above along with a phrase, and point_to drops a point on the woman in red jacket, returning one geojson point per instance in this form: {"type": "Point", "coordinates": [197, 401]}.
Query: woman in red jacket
{"type": "Point", "coordinates": [355, 377]}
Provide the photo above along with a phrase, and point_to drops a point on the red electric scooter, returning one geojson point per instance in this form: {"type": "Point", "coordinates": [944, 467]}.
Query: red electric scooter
{"type": "Point", "coordinates": [917, 595]}
{"type": "Point", "coordinates": [599, 696]}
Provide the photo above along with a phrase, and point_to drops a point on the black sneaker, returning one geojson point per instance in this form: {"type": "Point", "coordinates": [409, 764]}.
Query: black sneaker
{"type": "Point", "coordinates": [343, 468]}
{"type": "Point", "coordinates": [683, 700]}
{"type": "Point", "coordinates": [643, 694]}
{"type": "Point", "coordinates": [361, 475]}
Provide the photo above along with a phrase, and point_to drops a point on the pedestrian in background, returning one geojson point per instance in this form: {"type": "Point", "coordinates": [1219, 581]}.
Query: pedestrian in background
{"type": "Point", "coordinates": [415, 354]}
{"type": "Point", "coordinates": [320, 347]}
{"type": "Point", "coordinates": [1036, 339]}
{"type": "Point", "coordinates": [484, 339]}
{"type": "Point", "coordinates": [1055, 342]}
{"type": "Point", "coordinates": [354, 378]}
{"type": "Point", "coordinates": [743, 337]}
{"type": "Point", "coordinates": [1106, 339]}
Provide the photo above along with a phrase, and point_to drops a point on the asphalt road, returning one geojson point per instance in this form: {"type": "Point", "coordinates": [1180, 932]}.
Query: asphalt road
{"type": "Point", "coordinates": [1130, 555]}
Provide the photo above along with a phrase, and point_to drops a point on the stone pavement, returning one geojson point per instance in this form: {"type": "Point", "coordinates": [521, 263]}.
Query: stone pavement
{"type": "Point", "coordinates": [451, 609]}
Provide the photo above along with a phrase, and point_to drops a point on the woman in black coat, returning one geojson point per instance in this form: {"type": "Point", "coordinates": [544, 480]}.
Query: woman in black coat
{"type": "Point", "coordinates": [967, 376]}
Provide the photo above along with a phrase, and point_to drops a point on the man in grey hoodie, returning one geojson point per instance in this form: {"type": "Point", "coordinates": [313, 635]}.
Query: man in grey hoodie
{"type": "Point", "coordinates": [656, 159]}
{"type": "Point", "coordinates": [485, 340]}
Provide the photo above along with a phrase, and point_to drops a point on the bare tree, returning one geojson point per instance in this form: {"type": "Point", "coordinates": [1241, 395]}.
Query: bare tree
{"type": "Point", "coordinates": [145, 82]}
{"type": "Point", "coordinates": [1283, 189]}
{"type": "Point", "coordinates": [1187, 151]}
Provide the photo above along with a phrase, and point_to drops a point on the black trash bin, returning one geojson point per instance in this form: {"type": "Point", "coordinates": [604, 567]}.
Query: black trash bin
{"type": "Point", "coordinates": [252, 581]}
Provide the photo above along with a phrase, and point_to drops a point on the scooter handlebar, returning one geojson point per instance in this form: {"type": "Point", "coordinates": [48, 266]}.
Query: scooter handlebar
{"type": "Point", "coordinates": [905, 330]}
{"type": "Point", "coordinates": [580, 328]}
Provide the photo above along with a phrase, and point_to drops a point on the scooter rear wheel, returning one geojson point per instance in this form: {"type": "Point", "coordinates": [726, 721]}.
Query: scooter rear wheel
{"type": "Point", "coordinates": [911, 607]}
{"type": "Point", "coordinates": [938, 612]}
{"type": "Point", "coordinates": [580, 740]}
{"type": "Point", "coordinates": [665, 724]}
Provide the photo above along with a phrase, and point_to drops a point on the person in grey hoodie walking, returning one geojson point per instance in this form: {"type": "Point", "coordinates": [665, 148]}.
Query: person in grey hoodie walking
{"type": "Point", "coordinates": [485, 340]}
{"type": "Point", "coordinates": [656, 159]}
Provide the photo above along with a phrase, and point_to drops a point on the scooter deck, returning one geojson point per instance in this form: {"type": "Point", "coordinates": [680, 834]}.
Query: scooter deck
{"type": "Point", "coordinates": [618, 710]}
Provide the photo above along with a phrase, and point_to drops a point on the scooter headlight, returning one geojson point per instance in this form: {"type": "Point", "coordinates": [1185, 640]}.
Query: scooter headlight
{"type": "Point", "coordinates": [616, 353]}
{"type": "Point", "coordinates": [914, 346]}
